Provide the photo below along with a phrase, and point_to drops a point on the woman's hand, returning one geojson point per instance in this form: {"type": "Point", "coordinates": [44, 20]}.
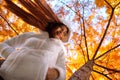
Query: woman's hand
{"type": "Point", "coordinates": [52, 74]}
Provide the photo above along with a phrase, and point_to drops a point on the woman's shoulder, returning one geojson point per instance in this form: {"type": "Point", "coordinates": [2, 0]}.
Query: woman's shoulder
{"type": "Point", "coordinates": [27, 34]}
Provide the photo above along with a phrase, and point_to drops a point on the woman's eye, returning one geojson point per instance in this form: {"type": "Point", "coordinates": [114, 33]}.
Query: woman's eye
{"type": "Point", "coordinates": [57, 33]}
{"type": "Point", "coordinates": [65, 33]}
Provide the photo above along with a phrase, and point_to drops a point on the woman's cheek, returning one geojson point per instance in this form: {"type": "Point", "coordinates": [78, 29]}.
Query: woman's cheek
{"type": "Point", "coordinates": [57, 37]}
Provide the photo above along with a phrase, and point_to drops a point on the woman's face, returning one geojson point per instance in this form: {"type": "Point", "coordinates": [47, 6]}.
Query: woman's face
{"type": "Point", "coordinates": [60, 33]}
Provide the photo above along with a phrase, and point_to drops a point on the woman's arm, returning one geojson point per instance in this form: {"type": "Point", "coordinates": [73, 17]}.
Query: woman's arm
{"type": "Point", "coordinates": [60, 66]}
{"type": "Point", "coordinates": [59, 71]}
{"type": "Point", "coordinates": [12, 44]}
{"type": "Point", "coordinates": [5, 50]}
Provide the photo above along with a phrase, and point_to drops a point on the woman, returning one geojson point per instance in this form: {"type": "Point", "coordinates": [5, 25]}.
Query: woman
{"type": "Point", "coordinates": [32, 56]}
{"type": "Point", "coordinates": [29, 56]}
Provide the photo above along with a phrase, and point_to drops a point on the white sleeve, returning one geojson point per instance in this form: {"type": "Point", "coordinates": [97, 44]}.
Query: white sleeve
{"type": "Point", "coordinates": [5, 50]}
{"type": "Point", "coordinates": [60, 66]}
{"type": "Point", "coordinates": [10, 45]}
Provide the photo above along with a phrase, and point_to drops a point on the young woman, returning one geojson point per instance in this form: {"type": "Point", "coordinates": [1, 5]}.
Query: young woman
{"type": "Point", "coordinates": [32, 56]}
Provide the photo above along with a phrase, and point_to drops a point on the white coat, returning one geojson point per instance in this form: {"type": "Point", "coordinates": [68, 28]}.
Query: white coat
{"type": "Point", "coordinates": [29, 55]}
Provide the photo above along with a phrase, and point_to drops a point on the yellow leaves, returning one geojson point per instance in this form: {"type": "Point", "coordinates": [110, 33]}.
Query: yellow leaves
{"type": "Point", "coordinates": [113, 2]}
{"type": "Point", "coordinates": [115, 56]}
{"type": "Point", "coordinates": [74, 35]}
{"type": "Point", "coordinates": [78, 54]}
{"type": "Point", "coordinates": [91, 17]}
{"type": "Point", "coordinates": [16, 23]}
{"type": "Point", "coordinates": [68, 72]}
{"type": "Point", "coordinates": [117, 11]}
{"type": "Point", "coordinates": [74, 61]}
{"type": "Point", "coordinates": [99, 3]}
{"type": "Point", "coordinates": [111, 61]}
{"type": "Point", "coordinates": [1, 38]}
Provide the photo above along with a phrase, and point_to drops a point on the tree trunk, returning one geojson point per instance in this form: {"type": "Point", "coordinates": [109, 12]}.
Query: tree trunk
{"type": "Point", "coordinates": [84, 72]}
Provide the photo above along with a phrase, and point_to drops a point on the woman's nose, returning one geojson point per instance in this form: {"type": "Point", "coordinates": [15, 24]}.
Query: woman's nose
{"type": "Point", "coordinates": [62, 35]}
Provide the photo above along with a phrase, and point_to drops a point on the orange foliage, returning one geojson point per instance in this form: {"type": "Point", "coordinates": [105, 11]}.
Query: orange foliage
{"type": "Point", "coordinates": [78, 54]}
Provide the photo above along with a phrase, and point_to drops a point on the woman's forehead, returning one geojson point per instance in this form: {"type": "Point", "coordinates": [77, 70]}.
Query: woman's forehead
{"type": "Point", "coordinates": [58, 28]}
{"type": "Point", "coordinates": [61, 28]}
{"type": "Point", "coordinates": [64, 27]}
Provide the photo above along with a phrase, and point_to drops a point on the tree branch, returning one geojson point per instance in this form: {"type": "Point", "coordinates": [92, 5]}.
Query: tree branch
{"type": "Point", "coordinates": [102, 74]}
{"type": "Point", "coordinates": [117, 5]}
{"type": "Point", "coordinates": [111, 5]}
{"type": "Point", "coordinates": [85, 35]}
{"type": "Point", "coordinates": [114, 70]}
{"type": "Point", "coordinates": [108, 3]}
{"type": "Point", "coordinates": [105, 32]}
{"type": "Point", "coordinates": [83, 52]}
{"type": "Point", "coordinates": [92, 77]}
{"type": "Point", "coordinates": [9, 24]}
{"type": "Point", "coordinates": [70, 8]}
{"type": "Point", "coordinates": [107, 52]}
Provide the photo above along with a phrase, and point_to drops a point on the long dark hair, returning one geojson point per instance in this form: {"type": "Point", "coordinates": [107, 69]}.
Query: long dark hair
{"type": "Point", "coordinates": [39, 13]}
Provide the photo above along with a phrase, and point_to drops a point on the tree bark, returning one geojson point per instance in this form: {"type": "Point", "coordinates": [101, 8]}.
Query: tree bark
{"type": "Point", "coordinates": [84, 72]}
